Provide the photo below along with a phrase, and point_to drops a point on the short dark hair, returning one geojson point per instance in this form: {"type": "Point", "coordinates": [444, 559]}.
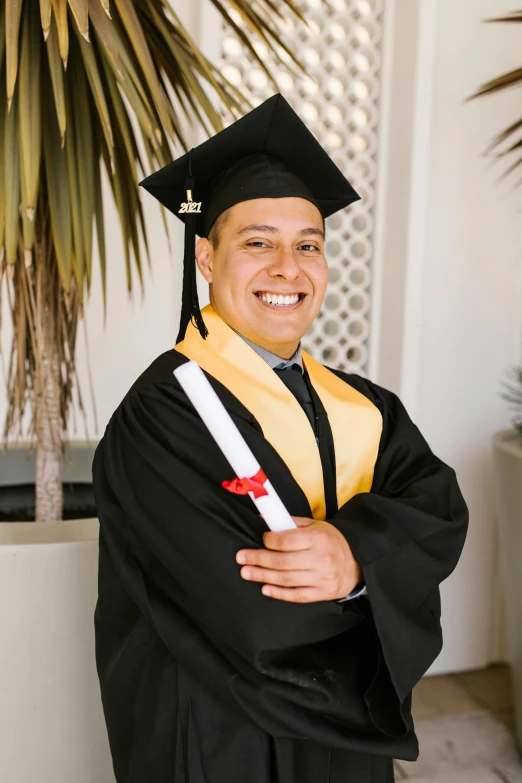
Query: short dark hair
{"type": "Point", "coordinates": [219, 222]}
{"type": "Point", "coordinates": [215, 229]}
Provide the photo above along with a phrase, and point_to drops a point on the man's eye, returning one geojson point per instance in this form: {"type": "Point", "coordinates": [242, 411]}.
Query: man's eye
{"type": "Point", "coordinates": [256, 242]}
{"type": "Point", "coordinates": [313, 247]}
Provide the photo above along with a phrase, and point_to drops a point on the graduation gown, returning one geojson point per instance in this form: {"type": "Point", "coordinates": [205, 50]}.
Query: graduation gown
{"type": "Point", "coordinates": [203, 678]}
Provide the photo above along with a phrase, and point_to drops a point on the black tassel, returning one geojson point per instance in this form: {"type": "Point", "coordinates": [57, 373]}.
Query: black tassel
{"type": "Point", "coordinates": [189, 297]}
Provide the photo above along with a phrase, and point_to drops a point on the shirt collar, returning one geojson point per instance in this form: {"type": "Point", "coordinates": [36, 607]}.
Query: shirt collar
{"type": "Point", "coordinates": [274, 361]}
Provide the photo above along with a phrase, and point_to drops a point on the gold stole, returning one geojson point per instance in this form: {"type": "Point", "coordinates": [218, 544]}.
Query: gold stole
{"type": "Point", "coordinates": [355, 421]}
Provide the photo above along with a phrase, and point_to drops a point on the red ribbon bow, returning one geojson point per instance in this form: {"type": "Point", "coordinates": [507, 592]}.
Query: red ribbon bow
{"type": "Point", "coordinates": [243, 486]}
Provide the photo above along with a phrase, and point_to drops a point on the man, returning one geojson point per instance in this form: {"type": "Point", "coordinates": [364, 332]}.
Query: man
{"type": "Point", "coordinates": [296, 662]}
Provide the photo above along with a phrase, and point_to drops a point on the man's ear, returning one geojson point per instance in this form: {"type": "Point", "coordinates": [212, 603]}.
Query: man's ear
{"type": "Point", "coordinates": [204, 258]}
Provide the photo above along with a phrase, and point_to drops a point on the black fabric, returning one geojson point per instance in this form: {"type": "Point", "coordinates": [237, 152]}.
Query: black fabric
{"type": "Point", "coordinates": [205, 680]}
{"type": "Point", "coordinates": [189, 300]}
{"type": "Point", "coordinates": [274, 132]}
{"type": "Point", "coordinates": [18, 501]}
{"type": "Point", "coordinates": [254, 176]}
{"type": "Point", "coordinates": [326, 450]}
{"type": "Point", "coordinates": [298, 382]}
{"type": "Point", "coordinates": [292, 378]}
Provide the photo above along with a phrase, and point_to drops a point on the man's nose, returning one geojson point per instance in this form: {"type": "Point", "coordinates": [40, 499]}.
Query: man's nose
{"type": "Point", "coordinates": [285, 264]}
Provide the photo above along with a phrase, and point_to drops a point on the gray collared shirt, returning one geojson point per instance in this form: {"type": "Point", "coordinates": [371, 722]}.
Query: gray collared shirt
{"type": "Point", "coordinates": [271, 358]}
{"type": "Point", "coordinates": [274, 362]}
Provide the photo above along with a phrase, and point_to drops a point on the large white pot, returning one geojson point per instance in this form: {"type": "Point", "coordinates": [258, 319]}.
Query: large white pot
{"type": "Point", "coordinates": [52, 728]}
{"type": "Point", "coordinates": [507, 460]}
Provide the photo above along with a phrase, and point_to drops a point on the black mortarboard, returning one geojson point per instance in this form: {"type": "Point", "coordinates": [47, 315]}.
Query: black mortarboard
{"type": "Point", "coordinates": [268, 153]}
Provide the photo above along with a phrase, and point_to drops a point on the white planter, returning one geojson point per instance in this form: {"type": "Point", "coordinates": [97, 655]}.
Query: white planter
{"type": "Point", "coordinates": [52, 728]}
{"type": "Point", "coordinates": [507, 460]}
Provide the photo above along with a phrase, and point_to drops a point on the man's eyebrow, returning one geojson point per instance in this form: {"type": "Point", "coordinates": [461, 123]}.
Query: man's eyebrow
{"type": "Point", "coordinates": [314, 231]}
{"type": "Point", "coordinates": [255, 227]}
{"type": "Point", "coordinates": [274, 230]}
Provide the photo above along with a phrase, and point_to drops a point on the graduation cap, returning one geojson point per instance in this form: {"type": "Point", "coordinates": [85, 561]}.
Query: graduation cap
{"type": "Point", "coordinates": [267, 153]}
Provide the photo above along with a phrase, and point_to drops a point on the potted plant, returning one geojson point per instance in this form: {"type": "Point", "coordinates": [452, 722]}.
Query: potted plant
{"type": "Point", "coordinates": [507, 443]}
{"type": "Point", "coordinates": [85, 85]}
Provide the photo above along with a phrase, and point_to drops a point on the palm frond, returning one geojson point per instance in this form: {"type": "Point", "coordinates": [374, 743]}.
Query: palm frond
{"type": "Point", "coordinates": [45, 16]}
{"type": "Point", "coordinates": [30, 116]}
{"type": "Point", "coordinates": [3, 192]}
{"type": "Point", "coordinates": [509, 137]}
{"type": "Point", "coordinates": [11, 182]}
{"type": "Point", "coordinates": [511, 79]}
{"type": "Point", "coordinates": [57, 76]}
{"type": "Point", "coordinates": [96, 90]}
{"type": "Point", "coordinates": [62, 24]}
{"type": "Point", "coordinates": [514, 16]}
{"type": "Point", "coordinates": [13, 12]}
{"type": "Point", "coordinates": [80, 10]}
{"type": "Point", "coordinates": [57, 178]}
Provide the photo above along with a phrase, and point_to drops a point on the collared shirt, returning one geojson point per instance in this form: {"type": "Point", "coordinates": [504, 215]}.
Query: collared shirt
{"type": "Point", "coordinates": [276, 362]}
{"type": "Point", "coordinates": [272, 359]}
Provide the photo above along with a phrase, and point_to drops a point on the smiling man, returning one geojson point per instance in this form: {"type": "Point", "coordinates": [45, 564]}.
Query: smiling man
{"type": "Point", "coordinates": [271, 273]}
{"type": "Point", "coordinates": [228, 653]}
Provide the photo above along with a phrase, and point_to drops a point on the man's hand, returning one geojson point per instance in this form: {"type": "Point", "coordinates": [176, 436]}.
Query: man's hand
{"type": "Point", "coordinates": [312, 562]}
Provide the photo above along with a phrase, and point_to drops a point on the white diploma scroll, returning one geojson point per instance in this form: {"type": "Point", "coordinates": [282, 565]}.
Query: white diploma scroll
{"type": "Point", "coordinates": [231, 442]}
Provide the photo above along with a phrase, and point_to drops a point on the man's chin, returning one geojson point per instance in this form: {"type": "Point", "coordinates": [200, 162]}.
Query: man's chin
{"type": "Point", "coordinates": [268, 328]}
{"type": "Point", "coordinates": [272, 335]}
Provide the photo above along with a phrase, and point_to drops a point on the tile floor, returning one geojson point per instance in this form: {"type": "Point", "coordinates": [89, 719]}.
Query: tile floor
{"type": "Point", "coordinates": [465, 725]}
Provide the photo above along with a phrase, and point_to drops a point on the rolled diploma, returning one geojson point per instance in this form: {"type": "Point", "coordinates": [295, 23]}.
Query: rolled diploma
{"type": "Point", "coordinates": [231, 442]}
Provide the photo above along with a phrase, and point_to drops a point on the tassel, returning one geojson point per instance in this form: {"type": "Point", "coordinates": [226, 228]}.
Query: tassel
{"type": "Point", "coordinates": [189, 298]}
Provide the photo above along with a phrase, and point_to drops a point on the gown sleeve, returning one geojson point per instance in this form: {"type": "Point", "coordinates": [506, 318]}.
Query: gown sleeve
{"type": "Point", "coordinates": [407, 534]}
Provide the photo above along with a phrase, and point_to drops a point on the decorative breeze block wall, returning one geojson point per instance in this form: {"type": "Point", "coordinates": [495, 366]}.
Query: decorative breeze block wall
{"type": "Point", "coordinates": [339, 101]}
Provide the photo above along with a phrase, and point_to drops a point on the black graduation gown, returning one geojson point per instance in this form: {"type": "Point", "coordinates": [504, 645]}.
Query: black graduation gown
{"type": "Point", "coordinates": [206, 680]}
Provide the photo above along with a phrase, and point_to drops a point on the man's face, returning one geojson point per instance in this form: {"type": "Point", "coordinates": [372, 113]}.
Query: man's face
{"type": "Point", "coordinates": [268, 247]}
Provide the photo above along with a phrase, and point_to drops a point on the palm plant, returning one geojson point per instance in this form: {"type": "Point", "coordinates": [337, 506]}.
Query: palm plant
{"type": "Point", "coordinates": [508, 143]}
{"type": "Point", "coordinates": [90, 87]}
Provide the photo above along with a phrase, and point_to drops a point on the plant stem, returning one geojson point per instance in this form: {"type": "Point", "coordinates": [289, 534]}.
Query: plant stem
{"type": "Point", "coordinates": [48, 426]}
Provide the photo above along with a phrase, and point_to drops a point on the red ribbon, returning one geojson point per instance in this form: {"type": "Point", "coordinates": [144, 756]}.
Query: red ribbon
{"type": "Point", "coordinates": [243, 486]}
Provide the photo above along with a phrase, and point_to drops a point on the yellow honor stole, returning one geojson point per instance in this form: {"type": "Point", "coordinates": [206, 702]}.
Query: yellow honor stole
{"type": "Point", "coordinates": [355, 421]}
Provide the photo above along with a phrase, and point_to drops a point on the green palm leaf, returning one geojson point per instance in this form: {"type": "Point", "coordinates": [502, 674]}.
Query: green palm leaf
{"type": "Point", "coordinates": [13, 11]}
{"type": "Point", "coordinates": [45, 16]}
{"type": "Point", "coordinates": [80, 10]}
{"type": "Point", "coordinates": [508, 140]}
{"type": "Point", "coordinates": [57, 76]}
{"type": "Point", "coordinates": [11, 182]}
{"type": "Point", "coordinates": [3, 198]}
{"type": "Point", "coordinates": [62, 24]}
{"type": "Point", "coordinates": [57, 180]}
{"type": "Point", "coordinates": [30, 116]}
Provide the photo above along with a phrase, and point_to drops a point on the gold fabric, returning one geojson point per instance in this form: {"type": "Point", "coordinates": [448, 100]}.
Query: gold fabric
{"type": "Point", "coordinates": [355, 421]}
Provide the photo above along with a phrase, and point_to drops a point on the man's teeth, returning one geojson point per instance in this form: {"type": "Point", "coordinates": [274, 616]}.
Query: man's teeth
{"type": "Point", "coordinates": [277, 299]}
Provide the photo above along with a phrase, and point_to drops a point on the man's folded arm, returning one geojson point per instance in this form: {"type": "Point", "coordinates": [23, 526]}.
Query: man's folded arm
{"type": "Point", "coordinates": [158, 490]}
{"type": "Point", "coordinates": [172, 533]}
{"type": "Point", "coordinates": [407, 534]}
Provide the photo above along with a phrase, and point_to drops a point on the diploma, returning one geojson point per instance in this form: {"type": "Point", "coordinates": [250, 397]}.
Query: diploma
{"type": "Point", "coordinates": [251, 478]}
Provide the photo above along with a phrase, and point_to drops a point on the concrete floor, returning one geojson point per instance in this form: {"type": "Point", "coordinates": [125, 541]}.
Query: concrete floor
{"type": "Point", "coordinates": [465, 726]}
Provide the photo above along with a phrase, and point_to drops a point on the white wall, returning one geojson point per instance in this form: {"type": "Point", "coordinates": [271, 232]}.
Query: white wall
{"type": "Point", "coordinates": [456, 277]}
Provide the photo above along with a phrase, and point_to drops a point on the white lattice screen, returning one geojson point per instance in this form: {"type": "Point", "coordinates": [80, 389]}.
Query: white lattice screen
{"type": "Point", "coordinates": [341, 50]}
